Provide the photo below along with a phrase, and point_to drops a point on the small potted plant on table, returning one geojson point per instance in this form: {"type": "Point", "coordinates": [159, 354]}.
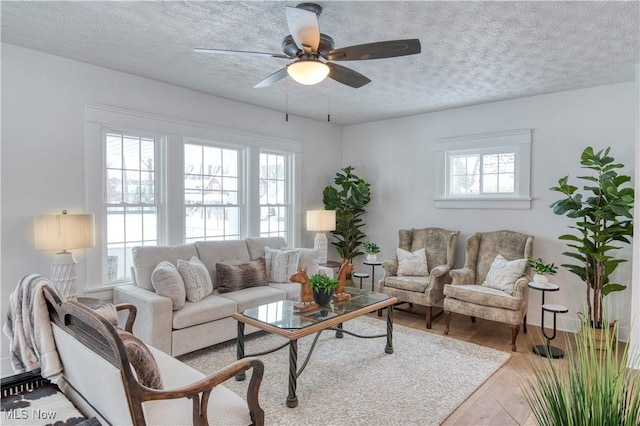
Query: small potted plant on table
{"type": "Point", "coordinates": [323, 288]}
{"type": "Point", "coordinates": [372, 250]}
{"type": "Point", "coordinates": [541, 270]}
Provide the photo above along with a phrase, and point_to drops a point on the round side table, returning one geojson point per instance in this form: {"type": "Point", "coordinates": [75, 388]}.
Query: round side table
{"type": "Point", "coordinates": [373, 271]}
{"type": "Point", "coordinates": [548, 350]}
{"type": "Point", "coordinates": [360, 275]}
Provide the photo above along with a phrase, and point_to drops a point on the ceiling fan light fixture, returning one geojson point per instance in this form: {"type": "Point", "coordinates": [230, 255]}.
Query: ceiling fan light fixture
{"type": "Point", "coordinates": [308, 71]}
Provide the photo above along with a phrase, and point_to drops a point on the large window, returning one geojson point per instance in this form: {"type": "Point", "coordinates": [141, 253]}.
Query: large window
{"type": "Point", "coordinates": [275, 196]}
{"type": "Point", "coordinates": [211, 193]}
{"type": "Point", "coordinates": [490, 170]}
{"type": "Point", "coordinates": [131, 208]}
{"type": "Point", "coordinates": [167, 181]}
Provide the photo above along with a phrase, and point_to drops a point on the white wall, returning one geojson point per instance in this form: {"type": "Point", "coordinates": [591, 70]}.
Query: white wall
{"type": "Point", "coordinates": [634, 359]}
{"type": "Point", "coordinates": [397, 158]}
{"type": "Point", "coordinates": [43, 167]}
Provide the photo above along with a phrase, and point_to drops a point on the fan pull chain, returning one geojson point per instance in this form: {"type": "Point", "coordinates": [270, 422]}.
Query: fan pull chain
{"type": "Point", "coordinates": [286, 100]}
{"type": "Point", "coordinates": [328, 100]}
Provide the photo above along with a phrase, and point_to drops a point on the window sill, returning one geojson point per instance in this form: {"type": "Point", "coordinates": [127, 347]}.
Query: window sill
{"type": "Point", "coordinates": [483, 203]}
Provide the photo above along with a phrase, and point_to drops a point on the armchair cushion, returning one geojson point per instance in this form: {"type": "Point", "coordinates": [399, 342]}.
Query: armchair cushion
{"type": "Point", "coordinates": [484, 296]}
{"type": "Point", "coordinates": [412, 264]}
{"type": "Point", "coordinates": [417, 284]}
{"type": "Point", "coordinates": [142, 360]}
{"type": "Point", "coordinates": [503, 273]}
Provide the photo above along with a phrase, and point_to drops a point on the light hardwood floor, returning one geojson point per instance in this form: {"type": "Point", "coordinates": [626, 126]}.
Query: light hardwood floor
{"type": "Point", "coordinates": [499, 401]}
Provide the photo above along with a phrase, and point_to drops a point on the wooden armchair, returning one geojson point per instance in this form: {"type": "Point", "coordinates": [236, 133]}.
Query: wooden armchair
{"type": "Point", "coordinates": [470, 294]}
{"type": "Point", "coordinates": [92, 352]}
{"type": "Point", "coordinates": [439, 245]}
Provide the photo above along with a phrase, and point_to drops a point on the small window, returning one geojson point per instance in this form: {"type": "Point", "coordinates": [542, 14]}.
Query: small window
{"type": "Point", "coordinates": [131, 201]}
{"type": "Point", "coordinates": [484, 171]}
{"type": "Point", "coordinates": [211, 193]}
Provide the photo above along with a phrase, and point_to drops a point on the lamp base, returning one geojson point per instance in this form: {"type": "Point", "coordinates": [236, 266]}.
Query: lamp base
{"type": "Point", "coordinates": [320, 244]}
{"type": "Point", "coordinates": [64, 275]}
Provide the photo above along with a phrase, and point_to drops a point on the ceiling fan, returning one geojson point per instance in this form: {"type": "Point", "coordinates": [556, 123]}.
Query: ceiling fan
{"type": "Point", "coordinates": [314, 54]}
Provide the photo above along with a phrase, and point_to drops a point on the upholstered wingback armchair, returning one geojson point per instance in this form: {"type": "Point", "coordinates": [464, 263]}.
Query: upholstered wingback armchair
{"type": "Point", "coordinates": [439, 245]}
{"type": "Point", "coordinates": [489, 287]}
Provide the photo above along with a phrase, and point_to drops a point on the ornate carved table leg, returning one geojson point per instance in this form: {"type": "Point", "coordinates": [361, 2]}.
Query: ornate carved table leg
{"type": "Point", "coordinates": [389, 348]}
{"type": "Point", "coordinates": [240, 349]}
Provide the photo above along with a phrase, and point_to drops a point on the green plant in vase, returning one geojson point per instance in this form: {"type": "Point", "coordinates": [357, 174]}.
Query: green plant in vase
{"type": "Point", "coordinates": [372, 249]}
{"type": "Point", "coordinates": [323, 288]}
{"type": "Point", "coordinates": [602, 219]}
{"type": "Point", "coordinates": [541, 270]}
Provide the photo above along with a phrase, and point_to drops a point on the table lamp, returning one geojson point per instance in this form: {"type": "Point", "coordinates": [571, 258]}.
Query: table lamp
{"type": "Point", "coordinates": [321, 221]}
{"type": "Point", "coordinates": [62, 232]}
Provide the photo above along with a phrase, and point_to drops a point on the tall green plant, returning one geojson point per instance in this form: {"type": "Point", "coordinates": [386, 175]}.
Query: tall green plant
{"type": "Point", "coordinates": [602, 217]}
{"type": "Point", "coordinates": [595, 387]}
{"type": "Point", "coordinates": [348, 200]}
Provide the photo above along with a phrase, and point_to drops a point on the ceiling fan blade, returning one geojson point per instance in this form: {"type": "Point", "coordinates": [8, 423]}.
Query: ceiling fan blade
{"type": "Point", "coordinates": [240, 52]}
{"type": "Point", "coordinates": [378, 50]}
{"type": "Point", "coordinates": [304, 27]}
{"type": "Point", "coordinates": [347, 76]}
{"type": "Point", "coordinates": [273, 78]}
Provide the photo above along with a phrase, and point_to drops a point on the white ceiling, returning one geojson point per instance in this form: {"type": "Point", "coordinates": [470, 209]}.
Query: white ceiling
{"type": "Point", "coordinates": [472, 52]}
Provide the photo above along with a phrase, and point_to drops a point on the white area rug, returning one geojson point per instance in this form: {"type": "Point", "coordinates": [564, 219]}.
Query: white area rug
{"type": "Point", "coordinates": [351, 381]}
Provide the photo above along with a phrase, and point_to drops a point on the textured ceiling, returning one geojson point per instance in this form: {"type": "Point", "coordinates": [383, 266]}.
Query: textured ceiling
{"type": "Point", "coordinates": [472, 52]}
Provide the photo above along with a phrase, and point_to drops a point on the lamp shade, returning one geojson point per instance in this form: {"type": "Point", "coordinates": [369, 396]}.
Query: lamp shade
{"type": "Point", "coordinates": [308, 71]}
{"type": "Point", "coordinates": [64, 232]}
{"type": "Point", "coordinates": [321, 220]}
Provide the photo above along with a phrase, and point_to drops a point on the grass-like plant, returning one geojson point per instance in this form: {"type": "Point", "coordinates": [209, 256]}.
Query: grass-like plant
{"type": "Point", "coordinates": [371, 248]}
{"type": "Point", "coordinates": [593, 388]}
{"type": "Point", "coordinates": [539, 267]}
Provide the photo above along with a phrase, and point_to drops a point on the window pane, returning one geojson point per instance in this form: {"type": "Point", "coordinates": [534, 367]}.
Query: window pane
{"type": "Point", "coordinates": [507, 183]}
{"type": "Point", "coordinates": [114, 186]}
{"type": "Point", "coordinates": [490, 163]}
{"type": "Point", "coordinates": [507, 163]}
{"type": "Point", "coordinates": [132, 186]}
{"type": "Point", "coordinates": [133, 224]}
{"type": "Point", "coordinates": [115, 225]}
{"type": "Point", "coordinates": [473, 183]}
{"type": "Point", "coordinates": [208, 189]}
{"type": "Point", "coordinates": [150, 224]}
{"type": "Point", "coordinates": [490, 183]}
{"type": "Point", "coordinates": [114, 151]}
{"type": "Point", "coordinates": [131, 150]}
{"type": "Point", "coordinates": [147, 154]}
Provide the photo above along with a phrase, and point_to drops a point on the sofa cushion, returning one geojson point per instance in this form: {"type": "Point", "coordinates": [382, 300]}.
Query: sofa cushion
{"type": "Point", "coordinates": [228, 251]}
{"type": "Point", "coordinates": [254, 296]}
{"type": "Point", "coordinates": [237, 277]}
{"type": "Point", "coordinates": [211, 308]}
{"type": "Point", "coordinates": [145, 260]}
{"type": "Point", "coordinates": [281, 264]}
{"type": "Point", "coordinates": [197, 281]}
{"type": "Point", "coordinates": [412, 264]}
{"type": "Point", "coordinates": [503, 273]}
{"type": "Point", "coordinates": [256, 246]}
{"type": "Point", "coordinates": [168, 282]}
{"type": "Point", "coordinates": [417, 284]}
{"type": "Point", "coordinates": [310, 259]}
{"type": "Point", "coordinates": [481, 295]}
{"type": "Point", "coordinates": [142, 361]}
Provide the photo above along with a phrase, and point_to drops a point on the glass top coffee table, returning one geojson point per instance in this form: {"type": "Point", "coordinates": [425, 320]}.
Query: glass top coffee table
{"type": "Point", "coordinates": [282, 319]}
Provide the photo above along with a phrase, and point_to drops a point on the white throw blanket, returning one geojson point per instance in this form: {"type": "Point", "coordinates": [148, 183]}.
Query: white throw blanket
{"type": "Point", "coordinates": [29, 329]}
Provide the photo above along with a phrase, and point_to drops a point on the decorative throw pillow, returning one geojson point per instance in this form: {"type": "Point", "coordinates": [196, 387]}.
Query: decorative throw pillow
{"type": "Point", "coordinates": [412, 264]}
{"type": "Point", "coordinates": [309, 258]}
{"type": "Point", "coordinates": [503, 273]}
{"type": "Point", "coordinates": [142, 360]}
{"type": "Point", "coordinates": [281, 264]}
{"type": "Point", "coordinates": [236, 277]}
{"type": "Point", "coordinates": [197, 281]}
{"type": "Point", "coordinates": [168, 282]}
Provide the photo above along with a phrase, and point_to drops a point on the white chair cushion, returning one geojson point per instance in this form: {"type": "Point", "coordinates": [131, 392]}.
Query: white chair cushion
{"type": "Point", "coordinates": [412, 264]}
{"type": "Point", "coordinates": [503, 273]}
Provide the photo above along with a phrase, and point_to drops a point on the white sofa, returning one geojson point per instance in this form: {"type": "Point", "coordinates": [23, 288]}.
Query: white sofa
{"type": "Point", "coordinates": [102, 377]}
{"type": "Point", "coordinates": [209, 321]}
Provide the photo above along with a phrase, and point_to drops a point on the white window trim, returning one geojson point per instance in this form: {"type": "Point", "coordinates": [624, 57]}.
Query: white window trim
{"type": "Point", "coordinates": [172, 133]}
{"type": "Point", "coordinates": [519, 141]}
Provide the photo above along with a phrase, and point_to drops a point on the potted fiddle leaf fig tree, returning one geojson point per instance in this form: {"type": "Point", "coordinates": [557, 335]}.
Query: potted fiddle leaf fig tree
{"type": "Point", "coordinates": [349, 200]}
{"type": "Point", "coordinates": [602, 217]}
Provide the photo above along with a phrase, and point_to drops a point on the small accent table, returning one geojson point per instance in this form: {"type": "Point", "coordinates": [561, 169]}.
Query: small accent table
{"type": "Point", "coordinates": [548, 350]}
{"type": "Point", "coordinates": [360, 275]}
{"type": "Point", "coordinates": [373, 271]}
